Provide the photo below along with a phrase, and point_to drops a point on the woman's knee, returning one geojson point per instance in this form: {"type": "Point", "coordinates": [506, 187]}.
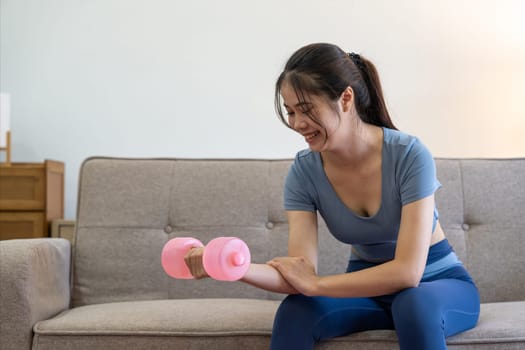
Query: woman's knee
{"type": "Point", "coordinates": [418, 320]}
{"type": "Point", "coordinates": [328, 317]}
{"type": "Point", "coordinates": [296, 308]}
{"type": "Point", "coordinates": [413, 308]}
{"type": "Point", "coordinates": [293, 322]}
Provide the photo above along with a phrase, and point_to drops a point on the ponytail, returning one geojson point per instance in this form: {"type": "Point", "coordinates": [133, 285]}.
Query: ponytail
{"type": "Point", "coordinates": [370, 104]}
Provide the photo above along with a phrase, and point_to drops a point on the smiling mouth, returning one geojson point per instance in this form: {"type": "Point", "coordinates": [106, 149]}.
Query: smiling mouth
{"type": "Point", "coordinates": [309, 137]}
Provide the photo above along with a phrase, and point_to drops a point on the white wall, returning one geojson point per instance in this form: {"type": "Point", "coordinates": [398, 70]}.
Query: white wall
{"type": "Point", "coordinates": [171, 78]}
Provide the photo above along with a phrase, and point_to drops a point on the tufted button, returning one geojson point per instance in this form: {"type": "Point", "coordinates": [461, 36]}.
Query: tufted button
{"type": "Point", "coordinates": [269, 225]}
{"type": "Point", "coordinates": [465, 227]}
{"type": "Point", "coordinates": [168, 229]}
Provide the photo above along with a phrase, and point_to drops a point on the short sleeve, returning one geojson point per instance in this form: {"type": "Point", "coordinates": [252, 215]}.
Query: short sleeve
{"type": "Point", "coordinates": [296, 196]}
{"type": "Point", "coordinates": [418, 178]}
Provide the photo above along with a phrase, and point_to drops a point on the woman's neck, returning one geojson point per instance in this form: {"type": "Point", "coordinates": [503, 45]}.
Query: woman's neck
{"type": "Point", "coordinates": [362, 143]}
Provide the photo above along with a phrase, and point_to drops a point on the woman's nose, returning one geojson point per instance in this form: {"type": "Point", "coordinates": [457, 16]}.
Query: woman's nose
{"type": "Point", "coordinates": [301, 123]}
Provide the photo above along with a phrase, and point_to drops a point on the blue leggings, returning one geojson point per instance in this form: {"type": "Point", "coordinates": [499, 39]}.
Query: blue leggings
{"type": "Point", "coordinates": [442, 305]}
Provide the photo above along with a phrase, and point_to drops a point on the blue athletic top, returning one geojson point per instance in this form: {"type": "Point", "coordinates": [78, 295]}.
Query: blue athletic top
{"type": "Point", "coordinates": [408, 174]}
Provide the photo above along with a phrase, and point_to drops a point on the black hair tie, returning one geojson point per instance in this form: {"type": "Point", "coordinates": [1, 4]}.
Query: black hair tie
{"type": "Point", "coordinates": [357, 61]}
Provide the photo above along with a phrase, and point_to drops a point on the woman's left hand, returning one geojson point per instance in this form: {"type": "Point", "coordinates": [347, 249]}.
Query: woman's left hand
{"type": "Point", "coordinates": [297, 271]}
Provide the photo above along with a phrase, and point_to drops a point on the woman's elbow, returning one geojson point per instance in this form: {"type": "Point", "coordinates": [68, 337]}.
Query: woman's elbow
{"type": "Point", "coordinates": [412, 282]}
{"type": "Point", "coordinates": [410, 276]}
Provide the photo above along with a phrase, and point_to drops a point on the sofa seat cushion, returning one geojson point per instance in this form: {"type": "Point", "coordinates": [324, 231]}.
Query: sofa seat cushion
{"type": "Point", "coordinates": [165, 317]}
{"type": "Point", "coordinates": [160, 324]}
{"type": "Point", "coordinates": [235, 324]}
{"type": "Point", "coordinates": [499, 323]}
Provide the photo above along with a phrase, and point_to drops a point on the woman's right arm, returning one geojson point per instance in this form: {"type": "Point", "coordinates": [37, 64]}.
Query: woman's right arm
{"type": "Point", "coordinates": [302, 241]}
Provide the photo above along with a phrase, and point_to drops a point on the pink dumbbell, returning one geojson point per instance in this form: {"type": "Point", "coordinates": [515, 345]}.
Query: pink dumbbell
{"type": "Point", "coordinates": [224, 258]}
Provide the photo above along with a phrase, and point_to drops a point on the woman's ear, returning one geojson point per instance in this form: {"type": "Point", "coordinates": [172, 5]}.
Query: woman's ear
{"type": "Point", "coordinates": [347, 99]}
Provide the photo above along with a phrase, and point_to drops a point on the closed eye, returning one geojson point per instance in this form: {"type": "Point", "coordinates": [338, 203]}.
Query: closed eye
{"type": "Point", "coordinates": [303, 107]}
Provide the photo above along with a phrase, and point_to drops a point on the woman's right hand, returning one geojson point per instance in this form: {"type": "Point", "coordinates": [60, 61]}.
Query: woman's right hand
{"type": "Point", "coordinates": [193, 260]}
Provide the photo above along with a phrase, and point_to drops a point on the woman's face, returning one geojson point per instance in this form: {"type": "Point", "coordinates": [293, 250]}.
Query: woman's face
{"type": "Point", "coordinates": [315, 134]}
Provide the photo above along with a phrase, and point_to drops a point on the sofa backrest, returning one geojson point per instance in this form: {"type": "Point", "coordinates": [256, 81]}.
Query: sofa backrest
{"type": "Point", "coordinates": [129, 208]}
{"type": "Point", "coordinates": [482, 210]}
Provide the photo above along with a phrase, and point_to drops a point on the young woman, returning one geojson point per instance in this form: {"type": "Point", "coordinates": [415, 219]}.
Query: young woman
{"type": "Point", "coordinates": [374, 187]}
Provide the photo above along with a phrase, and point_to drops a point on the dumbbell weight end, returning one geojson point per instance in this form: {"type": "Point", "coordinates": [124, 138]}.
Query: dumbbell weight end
{"type": "Point", "coordinates": [226, 258]}
{"type": "Point", "coordinates": [172, 257]}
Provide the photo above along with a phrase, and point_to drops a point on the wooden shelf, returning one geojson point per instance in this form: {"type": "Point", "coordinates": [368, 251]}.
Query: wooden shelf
{"type": "Point", "coordinates": [31, 195]}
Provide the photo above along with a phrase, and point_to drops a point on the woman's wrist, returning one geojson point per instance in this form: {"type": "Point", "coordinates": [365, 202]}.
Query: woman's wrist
{"type": "Point", "coordinates": [266, 277]}
{"type": "Point", "coordinates": [316, 287]}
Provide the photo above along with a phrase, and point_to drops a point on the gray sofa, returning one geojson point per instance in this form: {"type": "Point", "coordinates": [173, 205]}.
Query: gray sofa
{"type": "Point", "coordinates": [108, 290]}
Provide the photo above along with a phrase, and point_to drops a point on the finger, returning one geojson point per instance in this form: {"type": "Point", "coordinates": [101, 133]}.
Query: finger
{"type": "Point", "coordinates": [278, 259]}
{"type": "Point", "coordinates": [198, 266]}
{"type": "Point", "coordinates": [273, 264]}
{"type": "Point", "coordinates": [193, 260]}
{"type": "Point", "coordinates": [276, 262]}
{"type": "Point", "coordinates": [200, 272]}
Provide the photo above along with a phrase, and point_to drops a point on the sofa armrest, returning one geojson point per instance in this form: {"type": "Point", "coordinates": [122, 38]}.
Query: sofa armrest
{"type": "Point", "coordinates": [34, 286]}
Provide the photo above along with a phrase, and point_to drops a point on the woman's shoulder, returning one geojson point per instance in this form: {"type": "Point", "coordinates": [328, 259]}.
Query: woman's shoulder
{"type": "Point", "coordinates": [304, 154]}
{"type": "Point", "coordinates": [306, 163]}
{"type": "Point", "coordinates": [401, 143]}
{"type": "Point", "coordinates": [397, 137]}
{"type": "Point", "coordinates": [306, 158]}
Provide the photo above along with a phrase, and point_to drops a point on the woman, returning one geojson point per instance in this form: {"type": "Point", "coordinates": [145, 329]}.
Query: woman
{"type": "Point", "coordinates": [374, 186]}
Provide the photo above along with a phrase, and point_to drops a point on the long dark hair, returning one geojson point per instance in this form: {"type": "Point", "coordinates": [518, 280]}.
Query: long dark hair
{"type": "Point", "coordinates": [325, 70]}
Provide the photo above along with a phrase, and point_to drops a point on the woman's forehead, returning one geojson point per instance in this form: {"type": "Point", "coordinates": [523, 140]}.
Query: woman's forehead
{"type": "Point", "coordinates": [291, 98]}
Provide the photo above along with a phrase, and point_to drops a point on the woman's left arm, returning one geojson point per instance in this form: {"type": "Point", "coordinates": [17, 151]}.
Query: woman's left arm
{"type": "Point", "coordinates": [404, 271]}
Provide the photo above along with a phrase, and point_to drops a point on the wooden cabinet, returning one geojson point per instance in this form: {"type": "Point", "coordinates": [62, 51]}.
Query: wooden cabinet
{"type": "Point", "coordinates": [31, 195]}
{"type": "Point", "coordinates": [61, 228]}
